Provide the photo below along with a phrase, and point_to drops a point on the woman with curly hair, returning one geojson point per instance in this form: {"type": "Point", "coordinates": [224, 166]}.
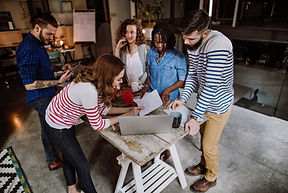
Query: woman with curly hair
{"type": "Point", "coordinates": [89, 94]}
{"type": "Point", "coordinates": [132, 50]}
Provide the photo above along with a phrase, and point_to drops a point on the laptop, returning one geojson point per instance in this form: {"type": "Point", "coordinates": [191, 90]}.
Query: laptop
{"type": "Point", "coordinates": [152, 124]}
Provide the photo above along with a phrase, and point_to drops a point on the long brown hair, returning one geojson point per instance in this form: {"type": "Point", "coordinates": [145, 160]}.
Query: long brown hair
{"type": "Point", "coordinates": [102, 74]}
{"type": "Point", "coordinates": [121, 31]}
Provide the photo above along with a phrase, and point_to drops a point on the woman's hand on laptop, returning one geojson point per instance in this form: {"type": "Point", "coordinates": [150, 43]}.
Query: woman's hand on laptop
{"type": "Point", "coordinates": [174, 105]}
{"type": "Point", "coordinates": [134, 111]}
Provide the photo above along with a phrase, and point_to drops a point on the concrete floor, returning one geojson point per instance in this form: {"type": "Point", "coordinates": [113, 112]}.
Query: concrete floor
{"type": "Point", "coordinates": [253, 151]}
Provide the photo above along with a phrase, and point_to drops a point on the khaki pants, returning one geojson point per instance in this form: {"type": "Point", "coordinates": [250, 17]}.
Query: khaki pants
{"type": "Point", "coordinates": [210, 135]}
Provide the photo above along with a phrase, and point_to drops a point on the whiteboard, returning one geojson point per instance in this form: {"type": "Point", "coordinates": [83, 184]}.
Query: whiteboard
{"type": "Point", "coordinates": [84, 25]}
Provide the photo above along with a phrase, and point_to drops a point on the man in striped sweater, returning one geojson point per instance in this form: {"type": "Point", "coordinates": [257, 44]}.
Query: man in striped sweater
{"type": "Point", "coordinates": [211, 71]}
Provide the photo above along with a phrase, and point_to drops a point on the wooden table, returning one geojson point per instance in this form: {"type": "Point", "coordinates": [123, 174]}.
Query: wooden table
{"type": "Point", "coordinates": [66, 53]}
{"type": "Point", "coordinates": [138, 150]}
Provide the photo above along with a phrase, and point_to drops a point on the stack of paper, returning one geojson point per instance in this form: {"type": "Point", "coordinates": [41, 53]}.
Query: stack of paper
{"type": "Point", "coordinates": [150, 101]}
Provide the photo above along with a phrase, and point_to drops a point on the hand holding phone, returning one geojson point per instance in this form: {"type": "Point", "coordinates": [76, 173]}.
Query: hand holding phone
{"type": "Point", "coordinates": [76, 66]}
{"type": "Point", "coordinates": [122, 42]}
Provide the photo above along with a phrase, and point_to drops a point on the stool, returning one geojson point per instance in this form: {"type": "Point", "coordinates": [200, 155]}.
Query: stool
{"type": "Point", "coordinates": [55, 58]}
{"type": "Point", "coordinates": [154, 179]}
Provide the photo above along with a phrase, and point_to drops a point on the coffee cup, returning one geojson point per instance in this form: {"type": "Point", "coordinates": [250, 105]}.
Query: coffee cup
{"type": "Point", "coordinates": [177, 117]}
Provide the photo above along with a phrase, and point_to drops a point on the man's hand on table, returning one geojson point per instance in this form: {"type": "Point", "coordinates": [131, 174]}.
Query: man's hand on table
{"type": "Point", "coordinates": [176, 104]}
{"type": "Point", "coordinates": [192, 126]}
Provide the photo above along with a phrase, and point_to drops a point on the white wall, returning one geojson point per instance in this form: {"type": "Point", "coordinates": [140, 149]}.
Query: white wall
{"type": "Point", "coordinates": [19, 13]}
{"type": "Point", "coordinates": [119, 10]}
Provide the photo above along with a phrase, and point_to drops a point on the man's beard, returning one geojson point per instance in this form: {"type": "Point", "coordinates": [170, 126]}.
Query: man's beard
{"type": "Point", "coordinates": [195, 46]}
{"type": "Point", "coordinates": [43, 40]}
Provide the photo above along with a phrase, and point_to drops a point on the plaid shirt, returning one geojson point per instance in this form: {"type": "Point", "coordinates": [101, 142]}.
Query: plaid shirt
{"type": "Point", "coordinates": [34, 64]}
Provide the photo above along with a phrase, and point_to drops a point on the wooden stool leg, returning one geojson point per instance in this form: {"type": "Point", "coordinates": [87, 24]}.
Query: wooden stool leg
{"type": "Point", "coordinates": [124, 168]}
{"type": "Point", "coordinates": [138, 178]}
{"type": "Point", "coordinates": [178, 166]}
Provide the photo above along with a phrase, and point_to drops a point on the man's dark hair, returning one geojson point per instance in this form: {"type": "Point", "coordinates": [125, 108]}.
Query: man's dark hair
{"type": "Point", "coordinates": [165, 32]}
{"type": "Point", "coordinates": [196, 20]}
{"type": "Point", "coordinates": [43, 20]}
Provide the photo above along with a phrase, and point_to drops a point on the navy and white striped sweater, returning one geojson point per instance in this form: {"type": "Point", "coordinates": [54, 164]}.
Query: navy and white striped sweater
{"type": "Point", "coordinates": [211, 68]}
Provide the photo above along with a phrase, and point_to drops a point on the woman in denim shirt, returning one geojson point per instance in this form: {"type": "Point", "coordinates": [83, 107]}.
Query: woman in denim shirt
{"type": "Point", "coordinates": [167, 66]}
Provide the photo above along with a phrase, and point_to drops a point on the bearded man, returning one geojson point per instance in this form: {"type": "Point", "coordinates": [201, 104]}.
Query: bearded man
{"type": "Point", "coordinates": [211, 71]}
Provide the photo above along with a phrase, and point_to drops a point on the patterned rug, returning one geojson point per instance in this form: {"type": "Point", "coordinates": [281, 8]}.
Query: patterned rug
{"type": "Point", "coordinates": [12, 179]}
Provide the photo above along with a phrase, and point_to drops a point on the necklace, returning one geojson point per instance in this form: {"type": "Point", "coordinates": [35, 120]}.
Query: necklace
{"type": "Point", "coordinates": [133, 49]}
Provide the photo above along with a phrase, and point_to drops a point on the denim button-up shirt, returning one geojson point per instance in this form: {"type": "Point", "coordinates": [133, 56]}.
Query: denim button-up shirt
{"type": "Point", "coordinates": [34, 64]}
{"type": "Point", "coordinates": [167, 72]}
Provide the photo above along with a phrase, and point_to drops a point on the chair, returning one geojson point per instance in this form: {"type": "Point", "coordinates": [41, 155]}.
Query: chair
{"type": "Point", "coordinates": [55, 58]}
{"type": "Point", "coordinates": [8, 66]}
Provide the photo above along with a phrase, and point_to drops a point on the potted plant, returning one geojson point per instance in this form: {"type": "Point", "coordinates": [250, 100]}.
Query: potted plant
{"type": "Point", "coordinates": [149, 11]}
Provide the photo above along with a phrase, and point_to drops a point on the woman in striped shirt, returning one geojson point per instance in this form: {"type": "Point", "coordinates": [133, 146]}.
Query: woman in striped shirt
{"type": "Point", "coordinates": [89, 94]}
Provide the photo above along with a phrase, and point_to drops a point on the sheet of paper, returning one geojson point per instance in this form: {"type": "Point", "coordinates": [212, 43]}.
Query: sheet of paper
{"type": "Point", "coordinates": [184, 111]}
{"type": "Point", "coordinates": [150, 101]}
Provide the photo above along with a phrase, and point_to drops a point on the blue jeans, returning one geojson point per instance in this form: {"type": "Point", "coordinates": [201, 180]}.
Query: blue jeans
{"type": "Point", "coordinates": [40, 106]}
{"type": "Point", "coordinates": [73, 158]}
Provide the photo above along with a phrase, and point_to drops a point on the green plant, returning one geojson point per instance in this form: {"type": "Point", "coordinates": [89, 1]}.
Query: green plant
{"type": "Point", "coordinates": [150, 10]}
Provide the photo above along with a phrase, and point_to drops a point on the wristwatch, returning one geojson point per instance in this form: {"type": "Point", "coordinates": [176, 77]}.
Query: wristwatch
{"type": "Point", "coordinates": [196, 118]}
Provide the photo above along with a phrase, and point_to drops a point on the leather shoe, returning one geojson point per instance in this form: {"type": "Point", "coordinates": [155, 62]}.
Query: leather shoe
{"type": "Point", "coordinates": [195, 170]}
{"type": "Point", "coordinates": [165, 155]}
{"type": "Point", "coordinates": [53, 165]}
{"type": "Point", "coordinates": [202, 185]}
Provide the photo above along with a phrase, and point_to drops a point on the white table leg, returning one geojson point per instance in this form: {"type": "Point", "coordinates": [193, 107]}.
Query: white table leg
{"type": "Point", "coordinates": [138, 177]}
{"type": "Point", "coordinates": [124, 168]}
{"type": "Point", "coordinates": [178, 166]}
{"type": "Point", "coordinates": [156, 158]}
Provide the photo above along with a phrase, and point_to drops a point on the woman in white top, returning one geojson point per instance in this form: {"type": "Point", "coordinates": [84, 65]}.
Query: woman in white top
{"type": "Point", "coordinates": [132, 50]}
{"type": "Point", "coordinates": [89, 94]}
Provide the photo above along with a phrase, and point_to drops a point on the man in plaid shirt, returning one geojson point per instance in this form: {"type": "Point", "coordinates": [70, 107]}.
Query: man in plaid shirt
{"type": "Point", "coordinates": [38, 77]}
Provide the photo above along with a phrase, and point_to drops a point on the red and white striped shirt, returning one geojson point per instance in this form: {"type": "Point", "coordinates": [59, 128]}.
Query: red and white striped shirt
{"type": "Point", "coordinates": [74, 101]}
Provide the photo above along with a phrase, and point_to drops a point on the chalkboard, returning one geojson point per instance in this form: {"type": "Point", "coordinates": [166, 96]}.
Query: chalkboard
{"type": "Point", "coordinates": [84, 25]}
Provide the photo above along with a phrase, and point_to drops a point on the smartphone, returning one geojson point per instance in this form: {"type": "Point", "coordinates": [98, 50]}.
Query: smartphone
{"type": "Point", "coordinates": [76, 66]}
{"type": "Point", "coordinates": [125, 42]}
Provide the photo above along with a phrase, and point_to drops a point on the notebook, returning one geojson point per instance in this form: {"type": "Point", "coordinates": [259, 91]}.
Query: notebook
{"type": "Point", "coordinates": [152, 124]}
